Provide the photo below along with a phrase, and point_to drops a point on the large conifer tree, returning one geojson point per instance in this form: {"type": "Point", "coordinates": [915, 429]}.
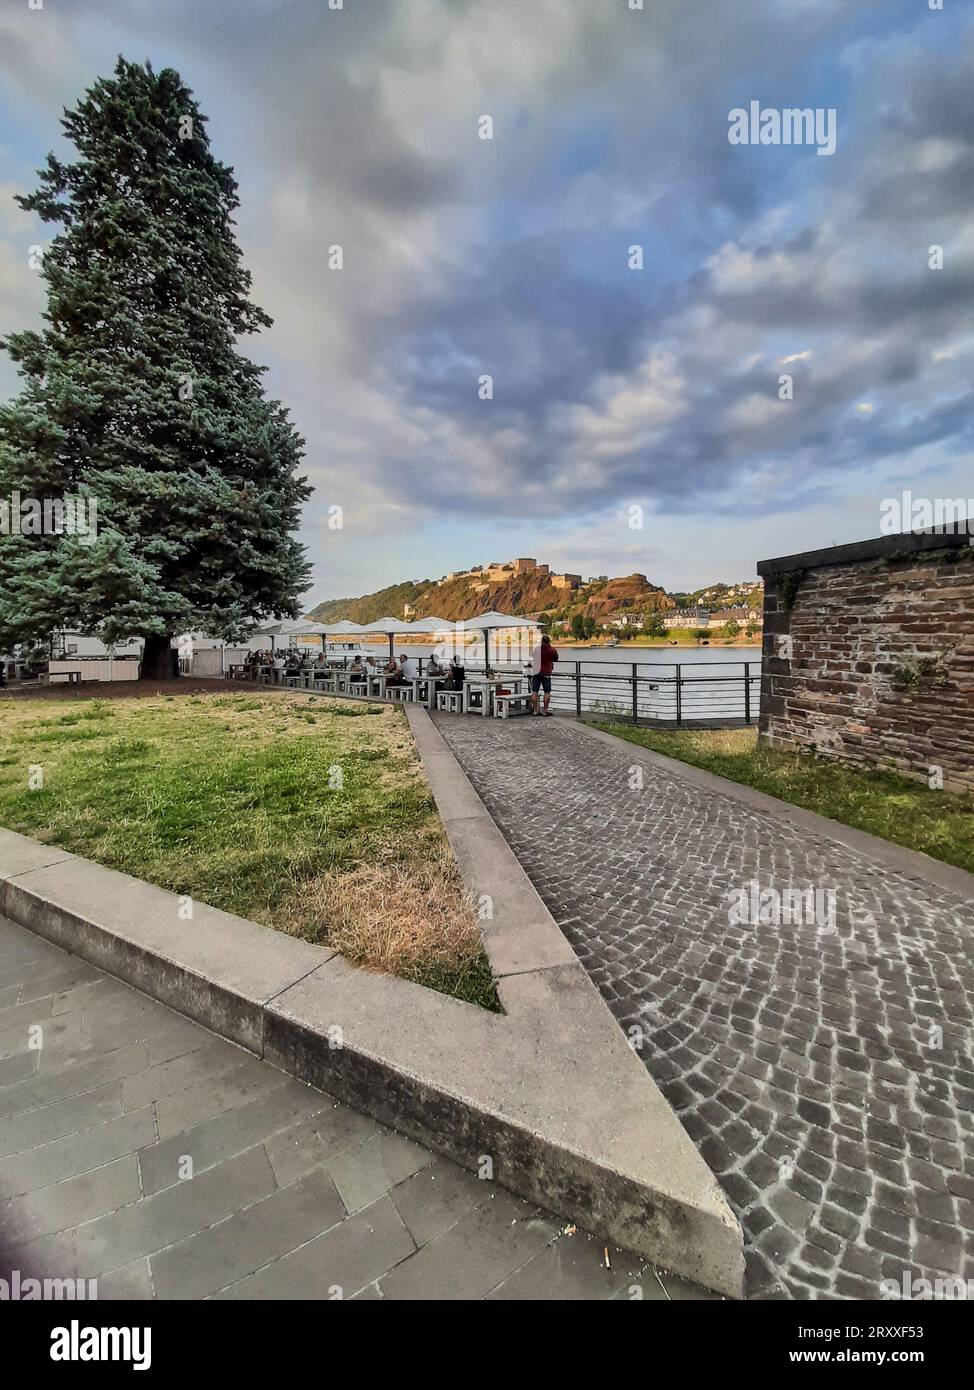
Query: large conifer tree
{"type": "Point", "coordinates": [136, 396]}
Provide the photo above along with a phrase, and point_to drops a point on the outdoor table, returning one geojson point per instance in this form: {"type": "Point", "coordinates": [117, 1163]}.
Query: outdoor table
{"type": "Point", "coordinates": [346, 679]}
{"type": "Point", "coordinates": [432, 683]}
{"type": "Point", "coordinates": [487, 685]}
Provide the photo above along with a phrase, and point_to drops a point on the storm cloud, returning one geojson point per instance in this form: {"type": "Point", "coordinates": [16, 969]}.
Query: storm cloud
{"type": "Point", "coordinates": [510, 257]}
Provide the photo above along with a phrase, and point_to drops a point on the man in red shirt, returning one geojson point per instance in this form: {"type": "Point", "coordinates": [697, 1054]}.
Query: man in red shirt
{"type": "Point", "coordinates": [542, 661]}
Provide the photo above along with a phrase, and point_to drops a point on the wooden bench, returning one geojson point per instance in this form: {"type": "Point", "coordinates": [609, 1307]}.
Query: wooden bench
{"type": "Point", "coordinates": [503, 704]}
{"type": "Point", "coordinates": [450, 700]}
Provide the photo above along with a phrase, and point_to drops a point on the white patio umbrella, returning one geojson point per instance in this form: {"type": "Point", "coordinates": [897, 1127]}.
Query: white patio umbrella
{"type": "Point", "coordinates": [344, 627]}
{"type": "Point", "coordinates": [289, 627]}
{"type": "Point", "coordinates": [481, 622]}
{"type": "Point", "coordinates": [389, 626]}
{"type": "Point", "coordinates": [432, 625]}
{"type": "Point", "coordinates": [489, 622]}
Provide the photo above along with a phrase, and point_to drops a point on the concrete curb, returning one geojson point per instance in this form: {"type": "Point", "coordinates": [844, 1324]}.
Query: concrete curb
{"type": "Point", "coordinates": [896, 857]}
{"type": "Point", "coordinates": [520, 934]}
{"type": "Point", "coordinates": [550, 1091]}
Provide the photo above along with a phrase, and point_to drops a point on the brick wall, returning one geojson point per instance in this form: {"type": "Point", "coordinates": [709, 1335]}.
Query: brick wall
{"type": "Point", "coordinates": [869, 655]}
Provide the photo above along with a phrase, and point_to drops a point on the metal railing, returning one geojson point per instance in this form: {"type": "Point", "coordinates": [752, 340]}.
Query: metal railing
{"type": "Point", "coordinates": [671, 694]}
{"type": "Point", "coordinates": [668, 694]}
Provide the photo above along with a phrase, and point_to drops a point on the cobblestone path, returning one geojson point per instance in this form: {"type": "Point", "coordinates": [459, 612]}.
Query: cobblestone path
{"type": "Point", "coordinates": [824, 1070]}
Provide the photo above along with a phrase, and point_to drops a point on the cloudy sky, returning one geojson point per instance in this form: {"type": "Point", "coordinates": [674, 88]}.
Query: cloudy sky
{"type": "Point", "coordinates": [613, 387]}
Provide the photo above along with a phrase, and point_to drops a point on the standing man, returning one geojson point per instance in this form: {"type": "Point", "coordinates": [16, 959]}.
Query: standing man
{"type": "Point", "coordinates": [543, 659]}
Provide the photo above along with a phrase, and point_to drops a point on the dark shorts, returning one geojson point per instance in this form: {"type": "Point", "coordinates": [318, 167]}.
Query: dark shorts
{"type": "Point", "coordinates": [541, 683]}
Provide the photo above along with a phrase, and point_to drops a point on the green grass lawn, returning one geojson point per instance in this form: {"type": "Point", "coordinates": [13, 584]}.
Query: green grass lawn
{"type": "Point", "coordinates": [306, 814]}
{"type": "Point", "coordinates": [884, 803]}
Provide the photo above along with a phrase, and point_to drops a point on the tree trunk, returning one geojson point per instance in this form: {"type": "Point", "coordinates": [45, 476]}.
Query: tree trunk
{"type": "Point", "coordinates": [159, 661]}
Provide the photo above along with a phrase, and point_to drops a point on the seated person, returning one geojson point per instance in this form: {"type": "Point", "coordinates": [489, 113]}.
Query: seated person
{"type": "Point", "coordinates": [408, 668]}
{"type": "Point", "coordinates": [393, 672]}
{"type": "Point", "coordinates": [434, 667]}
{"type": "Point", "coordinates": [357, 669]}
{"type": "Point", "coordinates": [458, 674]}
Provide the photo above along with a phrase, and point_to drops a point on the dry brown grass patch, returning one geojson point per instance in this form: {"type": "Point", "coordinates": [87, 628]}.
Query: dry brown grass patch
{"type": "Point", "coordinates": [392, 917]}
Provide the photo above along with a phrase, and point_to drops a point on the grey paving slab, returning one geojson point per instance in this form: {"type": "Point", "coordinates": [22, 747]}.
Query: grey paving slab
{"type": "Point", "coordinates": [132, 1281]}
{"type": "Point", "coordinates": [305, 1146]}
{"type": "Point", "coordinates": [578, 1267]}
{"type": "Point", "coordinates": [51, 1038]}
{"type": "Point", "coordinates": [19, 1067]}
{"type": "Point", "coordinates": [179, 1039]}
{"type": "Point", "coordinates": [20, 1016]}
{"type": "Point", "coordinates": [70, 973]}
{"type": "Point", "coordinates": [174, 1077]}
{"type": "Point", "coordinates": [437, 1197]}
{"type": "Point", "coordinates": [92, 1177]}
{"type": "Point", "coordinates": [21, 951]}
{"type": "Point", "coordinates": [368, 1170]}
{"type": "Point", "coordinates": [53, 1256]}
{"type": "Point", "coordinates": [9, 994]}
{"type": "Point", "coordinates": [34, 1090]}
{"type": "Point", "coordinates": [336, 1264]}
{"type": "Point", "coordinates": [68, 1203]}
{"type": "Point", "coordinates": [231, 1132]}
{"type": "Point", "coordinates": [143, 1018]}
{"type": "Point", "coordinates": [248, 1240]}
{"type": "Point", "coordinates": [96, 995]}
{"type": "Point", "coordinates": [63, 1117]}
{"type": "Point", "coordinates": [206, 1099]}
{"type": "Point", "coordinates": [826, 1076]}
{"type": "Point", "coordinates": [475, 1255]}
{"type": "Point", "coordinates": [370, 1294]}
{"type": "Point", "coordinates": [76, 1153]}
{"type": "Point", "coordinates": [151, 1224]}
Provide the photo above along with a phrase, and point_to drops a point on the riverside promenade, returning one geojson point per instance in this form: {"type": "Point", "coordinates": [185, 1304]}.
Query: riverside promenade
{"type": "Point", "coordinates": [825, 1072]}
{"type": "Point", "coordinates": [288, 1194]}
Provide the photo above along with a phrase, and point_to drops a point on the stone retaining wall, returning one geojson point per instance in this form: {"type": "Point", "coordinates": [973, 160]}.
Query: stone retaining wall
{"type": "Point", "coordinates": [869, 655]}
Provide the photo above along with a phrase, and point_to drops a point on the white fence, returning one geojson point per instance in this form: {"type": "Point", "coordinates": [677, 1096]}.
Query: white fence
{"type": "Point", "coordinates": [95, 668]}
